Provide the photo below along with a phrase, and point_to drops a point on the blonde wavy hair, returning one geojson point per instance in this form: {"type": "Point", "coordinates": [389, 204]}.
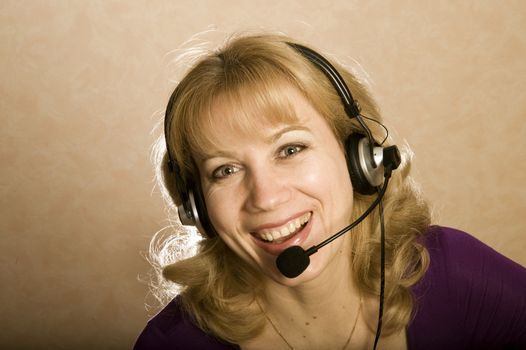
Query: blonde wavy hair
{"type": "Point", "coordinates": [249, 73]}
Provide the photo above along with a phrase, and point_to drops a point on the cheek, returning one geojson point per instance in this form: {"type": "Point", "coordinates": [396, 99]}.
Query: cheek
{"type": "Point", "coordinates": [223, 208]}
{"type": "Point", "coordinates": [216, 208]}
{"type": "Point", "coordinates": [332, 187]}
{"type": "Point", "coordinates": [328, 177]}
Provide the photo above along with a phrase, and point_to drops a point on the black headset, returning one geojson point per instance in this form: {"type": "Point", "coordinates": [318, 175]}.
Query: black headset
{"type": "Point", "coordinates": [364, 155]}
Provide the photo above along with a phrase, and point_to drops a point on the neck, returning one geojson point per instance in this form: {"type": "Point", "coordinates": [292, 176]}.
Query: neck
{"type": "Point", "coordinates": [326, 296]}
{"type": "Point", "coordinates": [318, 313]}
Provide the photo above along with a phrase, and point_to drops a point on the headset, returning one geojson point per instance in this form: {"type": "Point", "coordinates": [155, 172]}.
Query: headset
{"type": "Point", "coordinates": [365, 162]}
{"type": "Point", "coordinates": [364, 156]}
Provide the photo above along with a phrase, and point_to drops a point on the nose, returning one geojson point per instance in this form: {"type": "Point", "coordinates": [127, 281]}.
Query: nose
{"type": "Point", "coordinates": [267, 190]}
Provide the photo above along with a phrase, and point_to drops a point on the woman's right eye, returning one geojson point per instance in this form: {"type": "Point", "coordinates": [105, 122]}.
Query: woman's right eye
{"type": "Point", "coordinates": [225, 171]}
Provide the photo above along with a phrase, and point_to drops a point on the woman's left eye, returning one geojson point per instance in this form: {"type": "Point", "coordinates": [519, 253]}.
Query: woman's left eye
{"type": "Point", "coordinates": [290, 150]}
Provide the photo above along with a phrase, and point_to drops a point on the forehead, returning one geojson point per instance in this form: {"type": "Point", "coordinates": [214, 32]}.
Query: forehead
{"type": "Point", "coordinates": [248, 116]}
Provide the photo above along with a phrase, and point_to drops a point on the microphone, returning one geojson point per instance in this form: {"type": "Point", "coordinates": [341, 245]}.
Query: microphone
{"type": "Point", "coordinates": [294, 260]}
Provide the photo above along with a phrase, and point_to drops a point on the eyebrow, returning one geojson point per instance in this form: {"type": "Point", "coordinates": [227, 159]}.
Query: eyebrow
{"type": "Point", "coordinates": [285, 130]}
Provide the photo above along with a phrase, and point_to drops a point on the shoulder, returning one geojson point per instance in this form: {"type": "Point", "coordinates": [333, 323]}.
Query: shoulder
{"type": "Point", "coordinates": [173, 328]}
{"type": "Point", "coordinates": [470, 294]}
{"type": "Point", "coordinates": [462, 258]}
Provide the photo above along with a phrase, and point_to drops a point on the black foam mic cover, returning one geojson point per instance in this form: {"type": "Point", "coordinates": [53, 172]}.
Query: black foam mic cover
{"type": "Point", "coordinates": [292, 261]}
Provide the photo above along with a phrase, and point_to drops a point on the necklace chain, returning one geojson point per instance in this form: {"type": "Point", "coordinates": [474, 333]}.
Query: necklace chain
{"type": "Point", "coordinates": [291, 347]}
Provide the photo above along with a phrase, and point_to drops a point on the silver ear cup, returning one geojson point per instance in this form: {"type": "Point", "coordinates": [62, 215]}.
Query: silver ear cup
{"type": "Point", "coordinates": [189, 215]}
{"type": "Point", "coordinates": [185, 216]}
{"type": "Point", "coordinates": [375, 176]}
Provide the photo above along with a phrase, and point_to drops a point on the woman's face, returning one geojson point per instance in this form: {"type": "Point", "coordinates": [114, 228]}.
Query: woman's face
{"type": "Point", "coordinates": [288, 185]}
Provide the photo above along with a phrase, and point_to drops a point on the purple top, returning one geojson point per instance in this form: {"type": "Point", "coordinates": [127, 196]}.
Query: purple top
{"type": "Point", "coordinates": [471, 297]}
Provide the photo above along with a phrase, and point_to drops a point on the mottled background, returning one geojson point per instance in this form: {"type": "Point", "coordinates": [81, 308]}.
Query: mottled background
{"type": "Point", "coordinates": [83, 84]}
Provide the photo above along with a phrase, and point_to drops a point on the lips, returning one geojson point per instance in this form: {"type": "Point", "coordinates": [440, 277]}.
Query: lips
{"type": "Point", "coordinates": [283, 232]}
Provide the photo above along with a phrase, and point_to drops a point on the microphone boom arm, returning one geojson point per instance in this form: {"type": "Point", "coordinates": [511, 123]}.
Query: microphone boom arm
{"type": "Point", "coordinates": [315, 248]}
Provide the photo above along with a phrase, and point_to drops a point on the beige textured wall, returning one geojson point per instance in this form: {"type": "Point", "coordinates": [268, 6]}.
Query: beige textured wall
{"type": "Point", "coordinates": [82, 84]}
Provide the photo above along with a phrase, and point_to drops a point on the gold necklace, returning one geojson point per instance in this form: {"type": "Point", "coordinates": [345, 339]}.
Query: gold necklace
{"type": "Point", "coordinates": [291, 347]}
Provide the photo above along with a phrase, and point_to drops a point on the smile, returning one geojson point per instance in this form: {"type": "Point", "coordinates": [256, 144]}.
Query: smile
{"type": "Point", "coordinates": [282, 233]}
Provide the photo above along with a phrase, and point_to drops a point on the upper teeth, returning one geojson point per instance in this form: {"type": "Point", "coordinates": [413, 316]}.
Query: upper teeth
{"type": "Point", "coordinates": [288, 229]}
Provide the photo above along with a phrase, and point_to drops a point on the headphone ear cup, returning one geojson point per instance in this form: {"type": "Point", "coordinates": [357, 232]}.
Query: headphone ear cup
{"type": "Point", "coordinates": [192, 210]}
{"type": "Point", "coordinates": [358, 178]}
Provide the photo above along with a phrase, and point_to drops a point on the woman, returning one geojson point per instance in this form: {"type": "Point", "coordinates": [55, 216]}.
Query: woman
{"type": "Point", "coordinates": [265, 152]}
